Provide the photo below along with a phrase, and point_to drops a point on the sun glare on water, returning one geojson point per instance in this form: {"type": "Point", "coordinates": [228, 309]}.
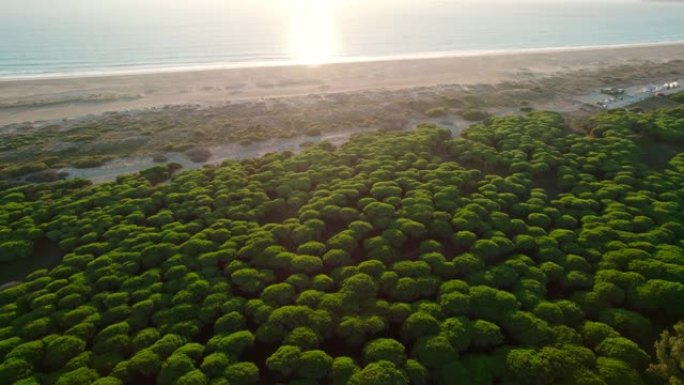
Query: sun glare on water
{"type": "Point", "coordinates": [313, 33]}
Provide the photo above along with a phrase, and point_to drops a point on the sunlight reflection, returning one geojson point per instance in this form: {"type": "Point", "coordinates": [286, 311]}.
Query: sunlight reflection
{"type": "Point", "coordinates": [313, 33]}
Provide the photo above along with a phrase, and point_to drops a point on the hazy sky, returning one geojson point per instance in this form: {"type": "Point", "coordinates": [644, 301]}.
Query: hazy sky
{"type": "Point", "coordinates": [60, 5]}
{"type": "Point", "coordinates": [83, 11]}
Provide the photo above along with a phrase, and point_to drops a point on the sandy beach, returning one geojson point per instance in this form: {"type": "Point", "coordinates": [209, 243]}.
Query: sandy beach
{"type": "Point", "coordinates": [29, 100]}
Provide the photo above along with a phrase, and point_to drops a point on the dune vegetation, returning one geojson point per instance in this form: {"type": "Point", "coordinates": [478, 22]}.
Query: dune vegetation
{"type": "Point", "coordinates": [520, 253]}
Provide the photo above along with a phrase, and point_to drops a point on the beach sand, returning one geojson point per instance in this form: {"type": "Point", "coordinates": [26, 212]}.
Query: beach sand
{"type": "Point", "coordinates": [57, 98]}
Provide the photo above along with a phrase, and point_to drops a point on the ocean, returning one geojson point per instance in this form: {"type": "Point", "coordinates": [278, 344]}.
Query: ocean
{"type": "Point", "coordinates": [52, 38]}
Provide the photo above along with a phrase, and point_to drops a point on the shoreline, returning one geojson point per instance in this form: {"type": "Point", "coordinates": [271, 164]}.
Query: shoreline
{"type": "Point", "coordinates": [25, 102]}
{"type": "Point", "coordinates": [221, 66]}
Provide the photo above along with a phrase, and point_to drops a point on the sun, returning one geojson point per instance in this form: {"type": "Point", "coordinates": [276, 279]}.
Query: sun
{"type": "Point", "coordinates": [313, 33]}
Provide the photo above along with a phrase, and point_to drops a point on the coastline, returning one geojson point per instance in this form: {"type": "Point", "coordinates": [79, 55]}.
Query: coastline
{"type": "Point", "coordinates": [218, 66]}
{"type": "Point", "coordinates": [100, 127]}
{"type": "Point", "coordinates": [43, 100]}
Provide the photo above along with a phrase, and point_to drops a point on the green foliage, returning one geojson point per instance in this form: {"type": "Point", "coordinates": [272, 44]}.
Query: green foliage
{"type": "Point", "coordinates": [473, 115]}
{"type": "Point", "coordinates": [678, 97]}
{"type": "Point", "coordinates": [420, 324]}
{"type": "Point", "coordinates": [434, 352]}
{"type": "Point", "coordinates": [242, 373]}
{"type": "Point", "coordinates": [314, 364]}
{"type": "Point", "coordinates": [303, 337]}
{"type": "Point", "coordinates": [343, 368]}
{"type": "Point", "coordinates": [230, 323]}
{"type": "Point", "coordinates": [107, 381]}
{"type": "Point", "coordinates": [458, 331]}
{"type": "Point", "coordinates": [549, 365]}
{"type": "Point", "coordinates": [385, 349]}
{"type": "Point", "coordinates": [521, 252]}
{"type": "Point", "coordinates": [61, 349]}
{"type": "Point", "coordinates": [174, 368]}
{"type": "Point", "coordinates": [379, 373]}
{"type": "Point", "coordinates": [527, 329]}
{"type": "Point", "coordinates": [616, 372]}
{"type": "Point", "coordinates": [669, 350]}
{"type": "Point", "coordinates": [14, 369]}
{"type": "Point", "coordinates": [486, 334]}
{"type": "Point", "coordinates": [194, 377]}
{"type": "Point", "coordinates": [145, 362]}
{"type": "Point", "coordinates": [416, 373]}
{"type": "Point", "coordinates": [285, 360]}
{"type": "Point", "coordinates": [80, 376]}
{"type": "Point", "coordinates": [214, 364]}
{"type": "Point", "coordinates": [593, 333]}
{"type": "Point", "coordinates": [236, 343]}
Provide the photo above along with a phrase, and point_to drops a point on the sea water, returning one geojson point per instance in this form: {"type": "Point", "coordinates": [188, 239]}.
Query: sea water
{"type": "Point", "coordinates": [45, 38]}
